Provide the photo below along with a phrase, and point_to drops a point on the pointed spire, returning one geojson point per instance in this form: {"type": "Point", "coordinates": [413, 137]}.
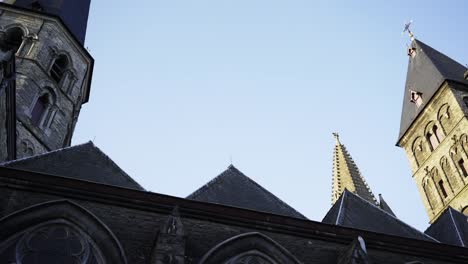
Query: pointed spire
{"type": "Point", "coordinates": [346, 175]}
{"type": "Point", "coordinates": [428, 69]}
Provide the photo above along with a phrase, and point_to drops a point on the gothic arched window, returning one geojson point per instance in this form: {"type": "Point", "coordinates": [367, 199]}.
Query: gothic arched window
{"type": "Point", "coordinates": [67, 233]}
{"type": "Point", "coordinates": [40, 108]}
{"type": "Point", "coordinates": [12, 39]}
{"type": "Point", "coordinates": [55, 243]}
{"type": "Point", "coordinates": [58, 68]}
{"type": "Point", "coordinates": [249, 248]}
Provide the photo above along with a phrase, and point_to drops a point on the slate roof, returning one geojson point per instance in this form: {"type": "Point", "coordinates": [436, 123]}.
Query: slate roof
{"type": "Point", "coordinates": [355, 212]}
{"type": "Point", "coordinates": [233, 188]}
{"type": "Point", "coordinates": [384, 205]}
{"type": "Point", "coordinates": [450, 228]}
{"type": "Point", "coordinates": [427, 70]}
{"type": "Point", "coordinates": [74, 13]}
{"type": "Point", "coordinates": [83, 162]}
{"type": "Point", "coordinates": [346, 175]}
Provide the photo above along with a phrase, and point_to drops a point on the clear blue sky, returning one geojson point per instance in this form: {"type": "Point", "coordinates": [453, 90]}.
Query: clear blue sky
{"type": "Point", "coordinates": [181, 86]}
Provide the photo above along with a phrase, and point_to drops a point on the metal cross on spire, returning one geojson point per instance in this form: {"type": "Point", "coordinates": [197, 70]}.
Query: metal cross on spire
{"type": "Point", "coordinates": [408, 29]}
{"type": "Point", "coordinates": [337, 136]}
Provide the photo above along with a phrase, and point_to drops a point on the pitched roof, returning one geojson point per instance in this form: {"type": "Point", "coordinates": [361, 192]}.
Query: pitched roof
{"type": "Point", "coordinates": [355, 212]}
{"type": "Point", "coordinates": [384, 205]}
{"type": "Point", "coordinates": [346, 175]}
{"type": "Point", "coordinates": [73, 13]}
{"type": "Point", "coordinates": [450, 228]}
{"type": "Point", "coordinates": [427, 70]}
{"type": "Point", "coordinates": [233, 188]}
{"type": "Point", "coordinates": [84, 162]}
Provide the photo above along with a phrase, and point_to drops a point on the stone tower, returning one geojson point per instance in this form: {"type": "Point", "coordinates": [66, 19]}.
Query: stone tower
{"type": "Point", "coordinates": [346, 175]}
{"type": "Point", "coordinates": [434, 128]}
{"type": "Point", "coordinates": [44, 41]}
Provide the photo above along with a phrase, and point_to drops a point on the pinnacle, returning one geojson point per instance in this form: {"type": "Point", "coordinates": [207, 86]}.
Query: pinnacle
{"type": "Point", "coordinates": [346, 175]}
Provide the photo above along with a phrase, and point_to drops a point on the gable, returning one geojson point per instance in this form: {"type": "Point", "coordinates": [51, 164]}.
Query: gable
{"type": "Point", "coordinates": [83, 162]}
{"type": "Point", "coordinates": [233, 188]}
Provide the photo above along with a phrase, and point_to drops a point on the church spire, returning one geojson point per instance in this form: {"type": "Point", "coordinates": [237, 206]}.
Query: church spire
{"type": "Point", "coordinates": [346, 175]}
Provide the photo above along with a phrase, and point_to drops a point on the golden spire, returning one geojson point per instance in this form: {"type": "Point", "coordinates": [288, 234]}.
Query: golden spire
{"type": "Point", "coordinates": [346, 175]}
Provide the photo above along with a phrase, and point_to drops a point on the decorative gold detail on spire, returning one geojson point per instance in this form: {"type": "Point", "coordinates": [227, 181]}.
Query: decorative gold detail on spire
{"type": "Point", "coordinates": [346, 175]}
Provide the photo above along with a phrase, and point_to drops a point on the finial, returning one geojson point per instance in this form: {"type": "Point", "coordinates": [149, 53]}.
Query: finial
{"type": "Point", "coordinates": [337, 137]}
{"type": "Point", "coordinates": [407, 29]}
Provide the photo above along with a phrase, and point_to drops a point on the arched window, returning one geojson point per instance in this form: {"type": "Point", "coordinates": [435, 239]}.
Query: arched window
{"type": "Point", "coordinates": [434, 136]}
{"type": "Point", "coordinates": [57, 232]}
{"type": "Point", "coordinates": [442, 188]}
{"type": "Point", "coordinates": [12, 39]}
{"type": "Point", "coordinates": [463, 167]}
{"type": "Point", "coordinates": [444, 118]}
{"type": "Point", "coordinates": [438, 133]}
{"type": "Point", "coordinates": [249, 248]}
{"type": "Point", "coordinates": [452, 177]}
{"type": "Point", "coordinates": [40, 108]}
{"type": "Point", "coordinates": [58, 68]}
{"type": "Point", "coordinates": [417, 149]}
{"type": "Point", "coordinates": [431, 199]}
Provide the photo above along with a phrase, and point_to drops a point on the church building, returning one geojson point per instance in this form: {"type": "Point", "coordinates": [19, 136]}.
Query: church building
{"type": "Point", "coordinates": [72, 204]}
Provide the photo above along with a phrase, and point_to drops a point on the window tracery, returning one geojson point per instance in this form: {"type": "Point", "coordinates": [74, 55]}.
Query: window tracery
{"type": "Point", "coordinates": [249, 248]}
{"type": "Point", "coordinates": [52, 244]}
{"type": "Point", "coordinates": [70, 235]}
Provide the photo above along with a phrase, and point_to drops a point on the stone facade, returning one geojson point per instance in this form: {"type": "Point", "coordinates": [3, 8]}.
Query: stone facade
{"type": "Point", "coordinates": [45, 42]}
{"type": "Point", "coordinates": [130, 226]}
{"type": "Point", "coordinates": [3, 129]}
{"type": "Point", "coordinates": [438, 168]}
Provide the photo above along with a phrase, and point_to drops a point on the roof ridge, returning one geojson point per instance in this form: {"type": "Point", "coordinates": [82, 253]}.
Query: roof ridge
{"type": "Point", "coordinates": [45, 154]}
{"type": "Point", "coordinates": [435, 62]}
{"type": "Point", "coordinates": [450, 209]}
{"type": "Point", "coordinates": [338, 215]}
{"type": "Point", "coordinates": [108, 159]}
{"type": "Point", "coordinates": [235, 171]}
{"type": "Point", "coordinates": [267, 191]}
{"type": "Point", "coordinates": [209, 183]}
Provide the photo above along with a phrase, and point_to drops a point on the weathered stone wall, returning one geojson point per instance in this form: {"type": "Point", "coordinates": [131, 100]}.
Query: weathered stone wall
{"type": "Point", "coordinates": [137, 231]}
{"type": "Point", "coordinates": [46, 39]}
{"type": "Point", "coordinates": [437, 171]}
{"type": "Point", "coordinates": [3, 136]}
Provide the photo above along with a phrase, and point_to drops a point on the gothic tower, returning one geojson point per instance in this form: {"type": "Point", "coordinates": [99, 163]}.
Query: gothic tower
{"type": "Point", "coordinates": [43, 39]}
{"type": "Point", "coordinates": [434, 128]}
